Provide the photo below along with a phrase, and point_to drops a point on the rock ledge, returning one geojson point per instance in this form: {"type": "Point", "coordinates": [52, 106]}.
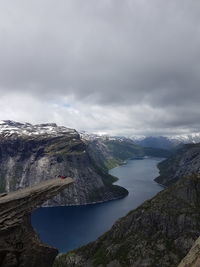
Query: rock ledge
{"type": "Point", "coordinates": [20, 246]}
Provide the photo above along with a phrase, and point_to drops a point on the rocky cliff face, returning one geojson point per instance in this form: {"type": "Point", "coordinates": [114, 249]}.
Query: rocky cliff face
{"type": "Point", "coordinates": [192, 259]}
{"type": "Point", "coordinates": [33, 153]}
{"type": "Point", "coordinates": [158, 233]}
{"type": "Point", "coordinates": [184, 162]}
{"type": "Point", "coordinates": [19, 244]}
{"type": "Point", "coordinates": [108, 153]}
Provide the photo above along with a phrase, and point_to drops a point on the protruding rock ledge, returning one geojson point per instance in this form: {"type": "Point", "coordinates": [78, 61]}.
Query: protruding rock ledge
{"type": "Point", "coordinates": [192, 259]}
{"type": "Point", "coordinates": [19, 244]}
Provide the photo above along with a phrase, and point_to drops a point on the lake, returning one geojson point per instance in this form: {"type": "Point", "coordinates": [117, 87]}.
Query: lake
{"type": "Point", "coordinates": [67, 228]}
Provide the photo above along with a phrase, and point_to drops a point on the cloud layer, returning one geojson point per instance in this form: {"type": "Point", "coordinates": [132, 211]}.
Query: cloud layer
{"type": "Point", "coordinates": [122, 67]}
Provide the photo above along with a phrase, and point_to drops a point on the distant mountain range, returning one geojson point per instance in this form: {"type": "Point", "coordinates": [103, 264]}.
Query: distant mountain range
{"type": "Point", "coordinates": [163, 142]}
{"type": "Point", "coordinates": [167, 142]}
{"type": "Point", "coordinates": [9, 128]}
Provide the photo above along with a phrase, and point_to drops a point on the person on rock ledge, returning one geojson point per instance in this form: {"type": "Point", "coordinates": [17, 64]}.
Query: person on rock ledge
{"type": "Point", "coordinates": [61, 176]}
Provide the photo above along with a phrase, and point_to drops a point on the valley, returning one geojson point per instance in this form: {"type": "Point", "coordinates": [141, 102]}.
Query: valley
{"type": "Point", "coordinates": [31, 154]}
{"type": "Point", "coordinates": [67, 228]}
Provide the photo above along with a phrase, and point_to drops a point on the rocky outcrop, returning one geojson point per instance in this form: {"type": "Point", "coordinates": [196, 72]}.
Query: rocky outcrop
{"type": "Point", "coordinates": [192, 259]}
{"type": "Point", "coordinates": [20, 246]}
{"type": "Point", "coordinates": [33, 153]}
{"type": "Point", "coordinates": [158, 233]}
{"type": "Point", "coordinates": [185, 161]}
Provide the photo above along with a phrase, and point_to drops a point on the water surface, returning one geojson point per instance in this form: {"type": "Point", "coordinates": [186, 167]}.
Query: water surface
{"type": "Point", "coordinates": [67, 228]}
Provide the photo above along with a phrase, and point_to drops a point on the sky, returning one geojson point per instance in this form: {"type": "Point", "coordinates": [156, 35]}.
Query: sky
{"type": "Point", "coordinates": [121, 67]}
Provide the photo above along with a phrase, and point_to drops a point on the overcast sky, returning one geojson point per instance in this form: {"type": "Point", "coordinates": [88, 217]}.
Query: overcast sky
{"type": "Point", "coordinates": [123, 67]}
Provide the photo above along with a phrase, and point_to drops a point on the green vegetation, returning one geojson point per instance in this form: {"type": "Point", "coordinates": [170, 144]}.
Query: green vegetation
{"type": "Point", "coordinates": [65, 146]}
{"type": "Point", "coordinates": [112, 163]}
{"type": "Point", "coordinates": [2, 184]}
{"type": "Point", "coordinates": [124, 150]}
{"type": "Point", "coordinates": [157, 152]}
{"type": "Point", "coordinates": [99, 258]}
{"type": "Point", "coordinates": [108, 181]}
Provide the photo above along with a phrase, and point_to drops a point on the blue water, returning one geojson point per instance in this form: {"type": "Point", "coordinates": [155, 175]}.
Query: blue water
{"type": "Point", "coordinates": [67, 228]}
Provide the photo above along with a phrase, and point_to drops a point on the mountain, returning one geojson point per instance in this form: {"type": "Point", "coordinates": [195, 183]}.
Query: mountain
{"type": "Point", "coordinates": [110, 152]}
{"type": "Point", "coordinates": [157, 142]}
{"type": "Point", "coordinates": [33, 153]}
{"type": "Point", "coordinates": [167, 142]}
{"type": "Point", "coordinates": [15, 129]}
{"type": "Point", "coordinates": [158, 233]}
{"type": "Point", "coordinates": [184, 162]}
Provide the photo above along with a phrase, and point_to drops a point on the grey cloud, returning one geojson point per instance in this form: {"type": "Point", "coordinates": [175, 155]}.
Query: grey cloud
{"type": "Point", "coordinates": [113, 54]}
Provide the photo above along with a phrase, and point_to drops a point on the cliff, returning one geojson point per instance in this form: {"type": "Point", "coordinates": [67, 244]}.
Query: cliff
{"type": "Point", "coordinates": [192, 259]}
{"type": "Point", "coordinates": [33, 153]}
{"type": "Point", "coordinates": [185, 161]}
{"type": "Point", "coordinates": [158, 233]}
{"type": "Point", "coordinates": [19, 244]}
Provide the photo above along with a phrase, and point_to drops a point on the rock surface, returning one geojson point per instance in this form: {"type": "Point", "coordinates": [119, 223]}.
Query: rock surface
{"type": "Point", "coordinates": [19, 244]}
{"type": "Point", "coordinates": [185, 161]}
{"type": "Point", "coordinates": [30, 154]}
{"type": "Point", "coordinates": [158, 233]}
{"type": "Point", "coordinates": [192, 259]}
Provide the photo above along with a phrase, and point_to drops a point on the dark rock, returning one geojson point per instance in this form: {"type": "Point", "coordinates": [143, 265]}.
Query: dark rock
{"type": "Point", "coordinates": [20, 246]}
{"type": "Point", "coordinates": [27, 160]}
{"type": "Point", "coordinates": [158, 233]}
{"type": "Point", "coordinates": [185, 161]}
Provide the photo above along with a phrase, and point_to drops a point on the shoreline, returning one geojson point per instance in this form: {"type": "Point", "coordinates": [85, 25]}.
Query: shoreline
{"type": "Point", "coordinates": [113, 199]}
{"type": "Point", "coordinates": [87, 204]}
{"type": "Point", "coordinates": [101, 201]}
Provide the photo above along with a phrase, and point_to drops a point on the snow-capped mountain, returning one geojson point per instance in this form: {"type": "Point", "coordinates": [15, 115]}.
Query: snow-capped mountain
{"type": "Point", "coordinates": [12, 128]}
{"type": "Point", "coordinates": [103, 137]}
{"type": "Point", "coordinates": [186, 138]}
{"type": "Point", "coordinates": [89, 136]}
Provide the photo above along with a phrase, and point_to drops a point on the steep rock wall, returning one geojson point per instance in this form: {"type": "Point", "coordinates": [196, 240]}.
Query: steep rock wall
{"type": "Point", "coordinates": [25, 161]}
{"type": "Point", "coordinates": [20, 246]}
{"type": "Point", "coordinates": [184, 162]}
